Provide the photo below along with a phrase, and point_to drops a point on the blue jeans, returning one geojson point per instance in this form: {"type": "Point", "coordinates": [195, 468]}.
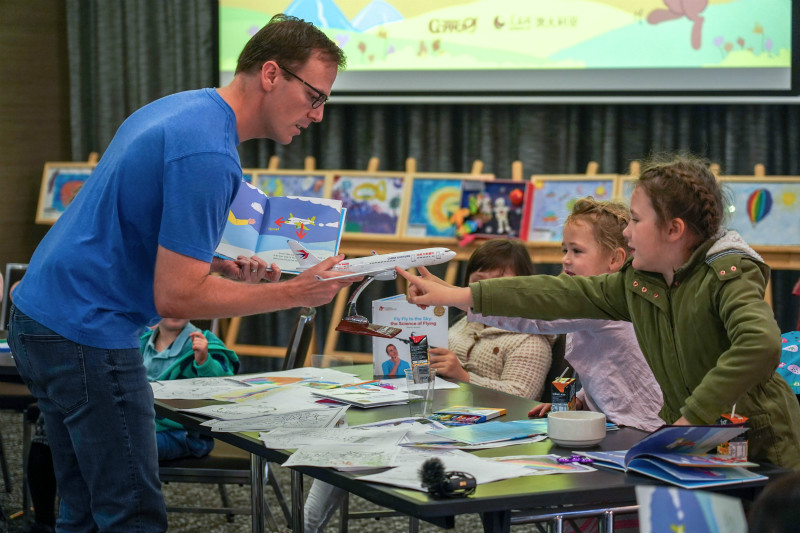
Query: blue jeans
{"type": "Point", "coordinates": [98, 409]}
{"type": "Point", "coordinates": [177, 443]}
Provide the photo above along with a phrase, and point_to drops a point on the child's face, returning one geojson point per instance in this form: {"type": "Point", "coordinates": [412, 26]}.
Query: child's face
{"type": "Point", "coordinates": [489, 274]}
{"type": "Point", "coordinates": [583, 255]}
{"type": "Point", "coordinates": [645, 238]}
{"type": "Point", "coordinates": [173, 324]}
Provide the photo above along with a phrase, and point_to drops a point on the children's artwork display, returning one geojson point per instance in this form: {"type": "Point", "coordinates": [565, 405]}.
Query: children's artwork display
{"type": "Point", "coordinates": [432, 202]}
{"type": "Point", "coordinates": [262, 225]}
{"type": "Point", "coordinates": [373, 201]}
{"type": "Point", "coordinates": [493, 208]}
{"type": "Point", "coordinates": [292, 183]}
{"type": "Point", "coordinates": [554, 197]}
{"type": "Point", "coordinates": [789, 367]}
{"type": "Point", "coordinates": [765, 211]}
{"type": "Point", "coordinates": [60, 183]}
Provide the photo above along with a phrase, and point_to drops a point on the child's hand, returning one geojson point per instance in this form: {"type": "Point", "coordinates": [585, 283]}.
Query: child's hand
{"type": "Point", "coordinates": [447, 365]}
{"type": "Point", "coordinates": [199, 347]}
{"type": "Point", "coordinates": [540, 410]}
{"type": "Point", "coordinates": [424, 292]}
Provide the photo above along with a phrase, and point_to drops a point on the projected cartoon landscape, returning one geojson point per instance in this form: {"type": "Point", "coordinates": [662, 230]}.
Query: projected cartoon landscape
{"type": "Point", "coordinates": [528, 34]}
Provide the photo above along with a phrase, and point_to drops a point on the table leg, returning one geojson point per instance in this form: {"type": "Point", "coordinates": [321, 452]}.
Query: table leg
{"type": "Point", "coordinates": [297, 502]}
{"type": "Point", "coordinates": [496, 521]}
{"type": "Point", "coordinates": [257, 466]}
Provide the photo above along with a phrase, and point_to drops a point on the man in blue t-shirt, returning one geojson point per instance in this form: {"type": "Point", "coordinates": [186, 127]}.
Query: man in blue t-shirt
{"type": "Point", "coordinates": [147, 223]}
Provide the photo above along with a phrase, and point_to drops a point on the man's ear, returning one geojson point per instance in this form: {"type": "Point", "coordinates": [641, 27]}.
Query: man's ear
{"type": "Point", "coordinates": [676, 229]}
{"type": "Point", "coordinates": [269, 75]}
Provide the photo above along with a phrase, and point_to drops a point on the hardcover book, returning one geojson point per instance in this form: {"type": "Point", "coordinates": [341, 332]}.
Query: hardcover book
{"type": "Point", "coordinates": [261, 225]}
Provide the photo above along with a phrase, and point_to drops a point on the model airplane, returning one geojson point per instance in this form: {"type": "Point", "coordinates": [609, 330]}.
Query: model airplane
{"type": "Point", "coordinates": [377, 266]}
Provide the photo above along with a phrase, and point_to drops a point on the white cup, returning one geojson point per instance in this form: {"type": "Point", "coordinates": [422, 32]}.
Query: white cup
{"type": "Point", "coordinates": [576, 428]}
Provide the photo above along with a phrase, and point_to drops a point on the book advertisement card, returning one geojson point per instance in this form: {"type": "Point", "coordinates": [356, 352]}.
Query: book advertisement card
{"type": "Point", "coordinates": [391, 357]}
{"type": "Point", "coordinates": [261, 225]}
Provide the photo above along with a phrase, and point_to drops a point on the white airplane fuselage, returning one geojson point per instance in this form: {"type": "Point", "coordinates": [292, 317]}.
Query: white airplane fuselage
{"type": "Point", "coordinates": [379, 266]}
{"type": "Point", "coordinates": [404, 260]}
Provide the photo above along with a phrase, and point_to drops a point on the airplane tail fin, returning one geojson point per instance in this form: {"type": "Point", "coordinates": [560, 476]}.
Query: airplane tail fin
{"type": "Point", "coordinates": [303, 255]}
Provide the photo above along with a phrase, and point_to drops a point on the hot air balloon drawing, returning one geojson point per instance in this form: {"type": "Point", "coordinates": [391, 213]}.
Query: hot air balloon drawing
{"type": "Point", "coordinates": [758, 205]}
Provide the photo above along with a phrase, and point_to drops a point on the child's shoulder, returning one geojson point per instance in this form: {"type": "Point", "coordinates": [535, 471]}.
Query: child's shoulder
{"type": "Point", "coordinates": [730, 256]}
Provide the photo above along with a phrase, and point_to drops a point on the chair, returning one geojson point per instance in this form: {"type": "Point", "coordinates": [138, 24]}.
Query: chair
{"type": "Point", "coordinates": [15, 396]}
{"type": "Point", "coordinates": [300, 339]}
{"type": "Point", "coordinates": [227, 464]}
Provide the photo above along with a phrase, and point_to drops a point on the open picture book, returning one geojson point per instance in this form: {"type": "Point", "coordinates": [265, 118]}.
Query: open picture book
{"type": "Point", "coordinates": [262, 225]}
{"type": "Point", "coordinates": [679, 455]}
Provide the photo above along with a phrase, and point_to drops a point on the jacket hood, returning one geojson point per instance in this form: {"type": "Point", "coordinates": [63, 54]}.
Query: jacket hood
{"type": "Point", "coordinates": [731, 240]}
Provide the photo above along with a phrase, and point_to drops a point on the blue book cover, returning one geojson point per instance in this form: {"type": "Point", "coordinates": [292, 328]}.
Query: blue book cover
{"type": "Point", "coordinates": [673, 509]}
{"type": "Point", "coordinates": [679, 455]}
{"type": "Point", "coordinates": [261, 225]}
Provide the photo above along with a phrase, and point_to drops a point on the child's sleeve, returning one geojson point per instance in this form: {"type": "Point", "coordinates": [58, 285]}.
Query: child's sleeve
{"type": "Point", "coordinates": [552, 297]}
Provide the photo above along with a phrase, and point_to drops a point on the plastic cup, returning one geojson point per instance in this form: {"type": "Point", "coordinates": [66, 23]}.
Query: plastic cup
{"type": "Point", "coordinates": [420, 390]}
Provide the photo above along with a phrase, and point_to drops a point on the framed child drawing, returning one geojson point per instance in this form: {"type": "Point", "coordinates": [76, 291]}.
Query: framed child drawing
{"type": "Point", "coordinates": [60, 183]}
{"type": "Point", "coordinates": [493, 208]}
{"type": "Point", "coordinates": [433, 199]}
{"type": "Point", "coordinates": [764, 211]}
{"type": "Point", "coordinates": [554, 196]}
{"type": "Point", "coordinates": [374, 201]}
{"type": "Point", "coordinates": [310, 184]}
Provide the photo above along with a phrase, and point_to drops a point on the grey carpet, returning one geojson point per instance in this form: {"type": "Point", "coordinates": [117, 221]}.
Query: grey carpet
{"type": "Point", "coordinates": [198, 494]}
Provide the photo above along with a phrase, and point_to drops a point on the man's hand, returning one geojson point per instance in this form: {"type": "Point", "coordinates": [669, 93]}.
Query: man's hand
{"type": "Point", "coordinates": [447, 365]}
{"type": "Point", "coordinates": [199, 347]}
{"type": "Point", "coordinates": [311, 292]}
{"type": "Point", "coordinates": [424, 292]}
{"type": "Point", "coordinates": [247, 269]}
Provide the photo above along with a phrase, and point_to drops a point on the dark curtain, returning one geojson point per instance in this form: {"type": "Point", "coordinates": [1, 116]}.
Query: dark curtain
{"type": "Point", "coordinates": [126, 53]}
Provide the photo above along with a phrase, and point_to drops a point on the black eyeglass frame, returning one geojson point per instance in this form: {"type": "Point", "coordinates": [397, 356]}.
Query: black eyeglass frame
{"type": "Point", "coordinates": [319, 100]}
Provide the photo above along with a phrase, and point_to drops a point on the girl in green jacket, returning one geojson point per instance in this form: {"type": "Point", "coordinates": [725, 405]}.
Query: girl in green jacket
{"type": "Point", "coordinates": [695, 296]}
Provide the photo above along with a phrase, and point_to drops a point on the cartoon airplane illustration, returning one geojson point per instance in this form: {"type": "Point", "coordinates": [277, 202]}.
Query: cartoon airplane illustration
{"type": "Point", "coordinates": [298, 222]}
{"type": "Point", "coordinates": [376, 266]}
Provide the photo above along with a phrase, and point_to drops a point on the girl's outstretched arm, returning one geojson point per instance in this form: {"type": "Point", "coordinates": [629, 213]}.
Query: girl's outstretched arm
{"type": "Point", "coordinates": [425, 292]}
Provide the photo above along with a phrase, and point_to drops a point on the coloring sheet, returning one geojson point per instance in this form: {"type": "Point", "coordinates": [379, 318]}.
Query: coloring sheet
{"type": "Point", "coordinates": [289, 439]}
{"type": "Point", "coordinates": [313, 418]}
{"type": "Point", "coordinates": [344, 457]}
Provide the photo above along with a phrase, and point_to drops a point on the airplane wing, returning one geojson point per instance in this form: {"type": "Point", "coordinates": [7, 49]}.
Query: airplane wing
{"type": "Point", "coordinates": [358, 274]}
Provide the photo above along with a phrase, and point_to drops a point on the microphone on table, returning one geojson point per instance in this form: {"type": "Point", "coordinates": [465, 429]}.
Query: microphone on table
{"type": "Point", "coordinates": [441, 484]}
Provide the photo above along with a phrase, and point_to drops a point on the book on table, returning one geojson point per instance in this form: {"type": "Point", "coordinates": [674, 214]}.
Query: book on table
{"type": "Point", "coordinates": [261, 225]}
{"type": "Point", "coordinates": [462, 415]}
{"type": "Point", "coordinates": [679, 455]}
{"type": "Point", "coordinates": [364, 394]}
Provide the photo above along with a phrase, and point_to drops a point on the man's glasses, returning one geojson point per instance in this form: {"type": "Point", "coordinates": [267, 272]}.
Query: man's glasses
{"type": "Point", "coordinates": [319, 100]}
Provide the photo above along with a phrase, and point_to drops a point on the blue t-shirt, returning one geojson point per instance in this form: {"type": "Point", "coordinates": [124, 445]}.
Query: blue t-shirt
{"type": "Point", "coordinates": [167, 178]}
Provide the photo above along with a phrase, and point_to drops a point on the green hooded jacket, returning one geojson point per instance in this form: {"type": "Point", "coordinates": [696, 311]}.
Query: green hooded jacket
{"type": "Point", "coordinates": [711, 339]}
{"type": "Point", "coordinates": [221, 362]}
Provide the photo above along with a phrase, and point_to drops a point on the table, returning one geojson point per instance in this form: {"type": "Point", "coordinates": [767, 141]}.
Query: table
{"type": "Point", "coordinates": [500, 503]}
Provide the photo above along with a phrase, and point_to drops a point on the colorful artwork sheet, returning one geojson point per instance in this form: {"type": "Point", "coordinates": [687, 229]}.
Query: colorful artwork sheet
{"type": "Point", "coordinates": [433, 202]}
{"type": "Point", "coordinates": [309, 186]}
{"type": "Point", "coordinates": [373, 203]}
{"type": "Point", "coordinates": [553, 201]}
{"type": "Point", "coordinates": [765, 212]}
